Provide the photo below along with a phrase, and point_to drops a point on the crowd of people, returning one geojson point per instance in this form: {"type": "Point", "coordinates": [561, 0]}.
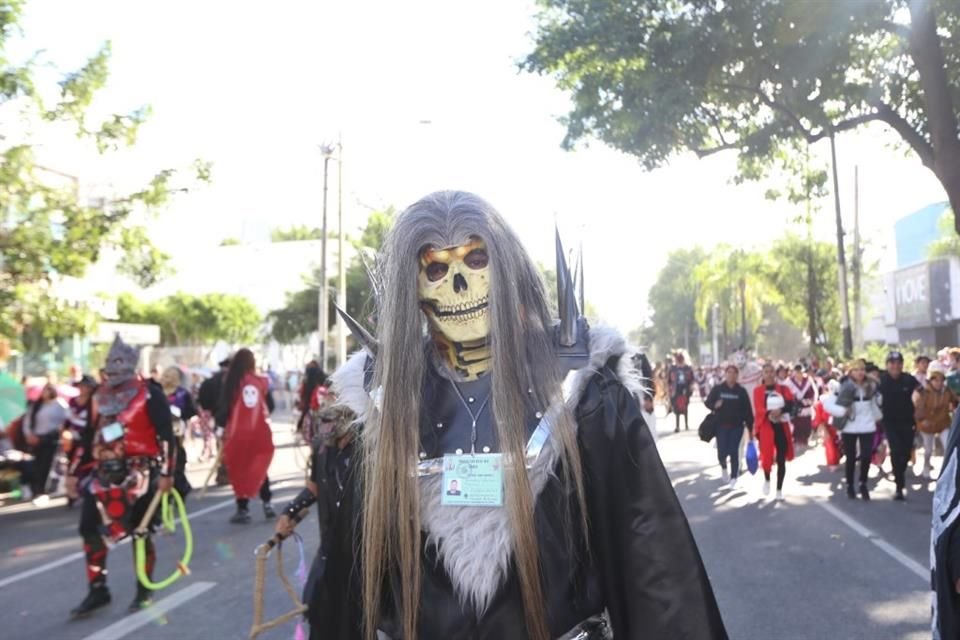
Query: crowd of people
{"type": "Point", "coordinates": [862, 414]}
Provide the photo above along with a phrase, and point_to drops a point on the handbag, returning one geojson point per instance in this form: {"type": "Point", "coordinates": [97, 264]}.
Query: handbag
{"type": "Point", "coordinates": [708, 428]}
{"type": "Point", "coordinates": [753, 457]}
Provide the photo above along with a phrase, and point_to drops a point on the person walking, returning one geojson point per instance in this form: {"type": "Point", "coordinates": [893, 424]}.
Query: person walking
{"type": "Point", "coordinates": [41, 431]}
{"type": "Point", "coordinates": [772, 404]}
{"type": "Point", "coordinates": [248, 441]}
{"type": "Point", "coordinates": [934, 407]}
{"type": "Point", "coordinates": [896, 390]}
{"type": "Point", "coordinates": [920, 366]}
{"type": "Point", "coordinates": [856, 409]}
{"type": "Point", "coordinates": [730, 402]}
{"type": "Point", "coordinates": [681, 388]}
{"type": "Point", "coordinates": [804, 391]}
{"type": "Point", "coordinates": [182, 410]}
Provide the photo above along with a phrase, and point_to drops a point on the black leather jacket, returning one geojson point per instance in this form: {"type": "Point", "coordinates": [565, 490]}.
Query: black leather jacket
{"type": "Point", "coordinates": [642, 566]}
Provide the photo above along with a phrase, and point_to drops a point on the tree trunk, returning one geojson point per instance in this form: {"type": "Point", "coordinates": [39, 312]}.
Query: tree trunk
{"type": "Point", "coordinates": [928, 57]}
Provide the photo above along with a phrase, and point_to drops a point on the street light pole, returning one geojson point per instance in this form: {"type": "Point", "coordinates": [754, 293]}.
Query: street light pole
{"type": "Point", "coordinates": [341, 261]}
{"type": "Point", "coordinates": [327, 150]}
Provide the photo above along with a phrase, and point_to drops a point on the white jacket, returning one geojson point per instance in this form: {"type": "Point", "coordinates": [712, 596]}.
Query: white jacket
{"type": "Point", "coordinates": [864, 415]}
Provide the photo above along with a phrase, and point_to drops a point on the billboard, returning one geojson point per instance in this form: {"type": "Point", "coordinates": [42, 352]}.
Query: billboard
{"type": "Point", "coordinates": [922, 295]}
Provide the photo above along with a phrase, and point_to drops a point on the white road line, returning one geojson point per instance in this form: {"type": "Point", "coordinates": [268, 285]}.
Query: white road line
{"type": "Point", "coordinates": [29, 573]}
{"type": "Point", "coordinates": [128, 625]}
{"type": "Point", "coordinates": [882, 544]}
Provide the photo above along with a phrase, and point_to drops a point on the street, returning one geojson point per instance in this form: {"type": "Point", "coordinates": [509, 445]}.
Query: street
{"type": "Point", "coordinates": [816, 566]}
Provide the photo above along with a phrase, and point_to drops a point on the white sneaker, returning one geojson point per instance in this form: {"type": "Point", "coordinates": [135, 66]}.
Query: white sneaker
{"type": "Point", "coordinates": [780, 497]}
{"type": "Point", "coordinates": [726, 475]}
{"type": "Point", "coordinates": [41, 500]}
{"type": "Point", "coordinates": [766, 487]}
{"type": "Point", "coordinates": [733, 484]}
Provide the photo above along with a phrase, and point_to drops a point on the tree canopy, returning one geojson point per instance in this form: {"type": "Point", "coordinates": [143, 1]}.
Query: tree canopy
{"type": "Point", "coordinates": [657, 77]}
{"type": "Point", "coordinates": [295, 233]}
{"type": "Point", "coordinates": [195, 320]}
{"type": "Point", "coordinates": [48, 230]}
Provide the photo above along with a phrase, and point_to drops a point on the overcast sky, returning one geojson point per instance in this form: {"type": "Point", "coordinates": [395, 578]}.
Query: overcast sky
{"type": "Point", "coordinates": [255, 87]}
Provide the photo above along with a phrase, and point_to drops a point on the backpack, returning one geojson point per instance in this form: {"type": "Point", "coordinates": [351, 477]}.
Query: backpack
{"type": "Point", "coordinates": [708, 428]}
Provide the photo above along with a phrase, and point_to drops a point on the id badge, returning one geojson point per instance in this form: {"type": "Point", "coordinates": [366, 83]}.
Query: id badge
{"type": "Point", "coordinates": [472, 480]}
{"type": "Point", "coordinates": [111, 432]}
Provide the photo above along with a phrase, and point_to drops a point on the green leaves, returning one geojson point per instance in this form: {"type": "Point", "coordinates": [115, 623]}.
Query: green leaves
{"type": "Point", "coordinates": [193, 320]}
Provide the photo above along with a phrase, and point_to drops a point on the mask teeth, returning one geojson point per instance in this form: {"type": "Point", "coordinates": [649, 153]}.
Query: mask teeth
{"type": "Point", "coordinates": [463, 306]}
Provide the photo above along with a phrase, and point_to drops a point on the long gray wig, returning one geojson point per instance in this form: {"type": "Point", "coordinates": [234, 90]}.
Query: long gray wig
{"type": "Point", "coordinates": [522, 363]}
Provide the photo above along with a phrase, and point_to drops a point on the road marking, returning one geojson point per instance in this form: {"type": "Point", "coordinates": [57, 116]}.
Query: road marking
{"type": "Point", "coordinates": [29, 573]}
{"type": "Point", "coordinates": [128, 625]}
{"type": "Point", "coordinates": [882, 544]}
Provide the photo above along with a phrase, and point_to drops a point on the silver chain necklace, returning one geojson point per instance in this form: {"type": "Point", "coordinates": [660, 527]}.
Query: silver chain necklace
{"type": "Point", "coordinates": [473, 416]}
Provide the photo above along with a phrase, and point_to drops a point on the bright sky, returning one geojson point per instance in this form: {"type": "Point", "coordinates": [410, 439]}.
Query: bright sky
{"type": "Point", "coordinates": [255, 87]}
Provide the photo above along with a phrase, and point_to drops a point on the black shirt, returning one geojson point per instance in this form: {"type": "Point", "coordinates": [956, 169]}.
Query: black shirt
{"type": "Point", "coordinates": [897, 394]}
{"type": "Point", "coordinates": [736, 409]}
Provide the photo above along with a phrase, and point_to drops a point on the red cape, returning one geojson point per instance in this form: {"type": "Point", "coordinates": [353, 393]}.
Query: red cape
{"type": "Point", "coordinates": [249, 441]}
{"type": "Point", "coordinates": [765, 429]}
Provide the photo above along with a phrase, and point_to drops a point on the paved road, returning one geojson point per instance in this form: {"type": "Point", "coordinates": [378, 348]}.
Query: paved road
{"type": "Point", "coordinates": [799, 569]}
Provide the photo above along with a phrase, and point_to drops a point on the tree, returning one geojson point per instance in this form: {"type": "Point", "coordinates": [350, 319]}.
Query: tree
{"type": "Point", "coordinates": [738, 283]}
{"type": "Point", "coordinates": [230, 242]}
{"type": "Point", "coordinates": [296, 233]}
{"type": "Point", "coordinates": [46, 231]}
{"type": "Point", "coordinates": [195, 320]}
{"type": "Point", "coordinates": [298, 317]}
{"type": "Point", "coordinates": [948, 244]}
{"type": "Point", "coordinates": [672, 300]}
{"type": "Point", "coordinates": [656, 77]}
{"type": "Point", "coordinates": [805, 273]}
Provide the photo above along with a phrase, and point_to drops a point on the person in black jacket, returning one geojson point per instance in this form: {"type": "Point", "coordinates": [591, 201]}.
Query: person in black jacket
{"type": "Point", "coordinates": [899, 425]}
{"type": "Point", "coordinates": [730, 402]}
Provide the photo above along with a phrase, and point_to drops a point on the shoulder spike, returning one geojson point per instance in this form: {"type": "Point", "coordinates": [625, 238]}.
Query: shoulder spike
{"type": "Point", "coordinates": [361, 335]}
{"type": "Point", "coordinates": [566, 298]}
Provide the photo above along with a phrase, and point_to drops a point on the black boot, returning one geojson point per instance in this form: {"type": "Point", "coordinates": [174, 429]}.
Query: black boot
{"type": "Point", "coordinates": [97, 597]}
{"type": "Point", "coordinates": [864, 493]}
{"type": "Point", "coordinates": [899, 495]}
{"type": "Point", "coordinates": [142, 600]}
{"type": "Point", "coordinates": [242, 516]}
{"type": "Point", "coordinates": [268, 511]}
{"type": "Point", "coordinates": [850, 492]}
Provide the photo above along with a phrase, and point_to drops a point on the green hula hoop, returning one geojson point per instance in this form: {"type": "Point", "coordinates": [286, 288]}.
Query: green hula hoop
{"type": "Point", "coordinates": [170, 524]}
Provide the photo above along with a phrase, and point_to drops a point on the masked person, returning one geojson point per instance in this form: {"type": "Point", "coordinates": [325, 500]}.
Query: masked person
{"type": "Point", "coordinates": [566, 520]}
{"type": "Point", "coordinates": [248, 441]}
{"type": "Point", "coordinates": [136, 454]}
{"type": "Point", "coordinates": [681, 388]}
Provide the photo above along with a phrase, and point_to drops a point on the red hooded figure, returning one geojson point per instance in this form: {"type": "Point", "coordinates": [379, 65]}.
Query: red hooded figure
{"type": "Point", "coordinates": [249, 441]}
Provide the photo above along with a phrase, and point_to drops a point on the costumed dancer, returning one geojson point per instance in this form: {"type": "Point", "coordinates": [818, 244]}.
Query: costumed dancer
{"type": "Point", "coordinates": [772, 403]}
{"type": "Point", "coordinates": [486, 499]}
{"type": "Point", "coordinates": [136, 454]}
{"type": "Point", "coordinates": [248, 440]}
{"type": "Point", "coordinates": [832, 444]}
{"type": "Point", "coordinates": [681, 388]}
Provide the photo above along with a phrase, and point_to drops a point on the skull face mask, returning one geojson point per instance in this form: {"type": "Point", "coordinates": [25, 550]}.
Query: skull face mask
{"type": "Point", "coordinates": [454, 288]}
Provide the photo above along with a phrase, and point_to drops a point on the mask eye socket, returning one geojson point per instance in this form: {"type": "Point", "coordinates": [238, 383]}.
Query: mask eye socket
{"type": "Point", "coordinates": [477, 259]}
{"type": "Point", "coordinates": [436, 271]}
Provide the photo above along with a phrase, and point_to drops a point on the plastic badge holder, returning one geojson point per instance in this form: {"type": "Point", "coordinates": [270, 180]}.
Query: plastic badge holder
{"type": "Point", "coordinates": [112, 432]}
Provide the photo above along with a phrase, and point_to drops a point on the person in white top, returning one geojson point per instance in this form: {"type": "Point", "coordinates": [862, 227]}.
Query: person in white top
{"type": "Point", "coordinates": [856, 410]}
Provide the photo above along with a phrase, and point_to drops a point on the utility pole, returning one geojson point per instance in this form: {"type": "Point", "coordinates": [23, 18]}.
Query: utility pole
{"type": "Point", "coordinates": [716, 336]}
{"type": "Point", "coordinates": [341, 261]}
{"type": "Point", "coordinates": [841, 257]}
{"type": "Point", "coordinates": [857, 263]}
{"type": "Point", "coordinates": [327, 150]}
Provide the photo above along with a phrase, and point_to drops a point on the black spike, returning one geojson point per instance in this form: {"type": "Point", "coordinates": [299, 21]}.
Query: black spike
{"type": "Point", "coordinates": [361, 335]}
{"type": "Point", "coordinates": [566, 298]}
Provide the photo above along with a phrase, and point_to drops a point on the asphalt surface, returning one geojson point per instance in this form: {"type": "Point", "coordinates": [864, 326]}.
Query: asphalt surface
{"type": "Point", "coordinates": [815, 566]}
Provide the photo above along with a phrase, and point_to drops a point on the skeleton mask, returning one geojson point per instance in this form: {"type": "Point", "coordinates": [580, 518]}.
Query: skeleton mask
{"type": "Point", "coordinates": [250, 396]}
{"type": "Point", "coordinates": [454, 287]}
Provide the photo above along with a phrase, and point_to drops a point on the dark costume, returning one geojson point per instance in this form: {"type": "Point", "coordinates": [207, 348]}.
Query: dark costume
{"type": "Point", "coordinates": [945, 542]}
{"type": "Point", "coordinates": [650, 578]}
{"type": "Point", "coordinates": [132, 446]}
{"type": "Point", "coordinates": [681, 388]}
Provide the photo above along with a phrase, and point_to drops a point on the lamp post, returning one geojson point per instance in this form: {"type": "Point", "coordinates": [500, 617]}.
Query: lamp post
{"type": "Point", "coordinates": [327, 150]}
{"type": "Point", "coordinates": [341, 261]}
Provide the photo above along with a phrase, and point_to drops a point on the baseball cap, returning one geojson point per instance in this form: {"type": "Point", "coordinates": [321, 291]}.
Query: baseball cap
{"type": "Point", "coordinates": [895, 356]}
{"type": "Point", "coordinates": [86, 381]}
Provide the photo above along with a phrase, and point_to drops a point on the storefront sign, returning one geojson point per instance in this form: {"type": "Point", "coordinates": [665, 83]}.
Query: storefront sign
{"type": "Point", "coordinates": [922, 295]}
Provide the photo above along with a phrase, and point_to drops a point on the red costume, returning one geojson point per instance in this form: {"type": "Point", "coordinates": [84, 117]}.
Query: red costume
{"type": "Point", "coordinates": [249, 441]}
{"type": "Point", "coordinates": [763, 427]}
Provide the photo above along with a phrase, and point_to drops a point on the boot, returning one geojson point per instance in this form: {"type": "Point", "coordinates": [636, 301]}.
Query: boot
{"type": "Point", "coordinates": [242, 516]}
{"type": "Point", "coordinates": [142, 600]}
{"type": "Point", "coordinates": [268, 511]}
{"type": "Point", "coordinates": [97, 597]}
{"type": "Point", "coordinates": [899, 497]}
{"type": "Point", "coordinates": [851, 493]}
{"type": "Point", "coordinates": [864, 493]}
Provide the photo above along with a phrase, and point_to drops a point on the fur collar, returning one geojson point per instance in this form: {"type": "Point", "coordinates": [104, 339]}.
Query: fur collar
{"type": "Point", "coordinates": [477, 570]}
